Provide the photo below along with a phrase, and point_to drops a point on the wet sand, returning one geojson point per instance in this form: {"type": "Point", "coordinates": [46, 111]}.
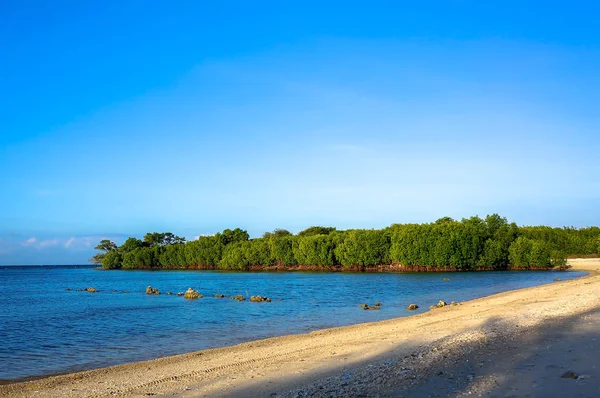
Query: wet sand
{"type": "Point", "coordinates": [516, 343]}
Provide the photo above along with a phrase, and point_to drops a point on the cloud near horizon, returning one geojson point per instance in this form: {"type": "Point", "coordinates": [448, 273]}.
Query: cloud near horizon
{"type": "Point", "coordinates": [75, 249]}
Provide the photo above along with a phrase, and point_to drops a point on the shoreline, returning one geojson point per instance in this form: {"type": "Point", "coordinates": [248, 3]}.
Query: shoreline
{"type": "Point", "coordinates": [208, 372]}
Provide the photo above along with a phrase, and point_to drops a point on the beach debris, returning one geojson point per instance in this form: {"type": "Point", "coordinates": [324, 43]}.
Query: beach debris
{"type": "Point", "coordinates": [192, 294]}
{"type": "Point", "coordinates": [239, 297]}
{"type": "Point", "coordinates": [259, 299]}
{"type": "Point", "coordinates": [152, 290]}
{"type": "Point", "coordinates": [91, 290]}
{"type": "Point", "coordinates": [412, 307]}
{"type": "Point", "coordinates": [219, 295]}
{"type": "Point", "coordinates": [377, 304]}
{"type": "Point", "coordinates": [569, 375]}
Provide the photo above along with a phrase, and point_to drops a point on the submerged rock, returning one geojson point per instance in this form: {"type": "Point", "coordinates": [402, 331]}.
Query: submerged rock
{"type": "Point", "coordinates": [373, 308]}
{"type": "Point", "coordinates": [114, 290]}
{"type": "Point", "coordinates": [91, 290]}
{"type": "Point", "coordinates": [364, 306]}
{"type": "Point", "coordinates": [192, 294]}
{"type": "Point", "coordinates": [169, 293]}
{"type": "Point", "coordinates": [239, 297]}
{"type": "Point", "coordinates": [180, 293]}
{"type": "Point", "coordinates": [219, 295]}
{"type": "Point", "coordinates": [445, 279]}
{"type": "Point", "coordinates": [377, 304]}
{"type": "Point", "coordinates": [151, 290]}
{"type": "Point", "coordinates": [412, 307]}
{"type": "Point", "coordinates": [68, 289]}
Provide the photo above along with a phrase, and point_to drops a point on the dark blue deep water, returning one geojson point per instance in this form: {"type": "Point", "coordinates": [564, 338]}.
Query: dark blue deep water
{"type": "Point", "coordinates": [45, 329]}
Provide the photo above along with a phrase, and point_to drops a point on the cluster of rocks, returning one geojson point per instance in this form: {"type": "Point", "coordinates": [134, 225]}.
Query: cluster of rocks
{"type": "Point", "coordinates": [192, 294]}
{"type": "Point", "coordinates": [376, 306]}
{"type": "Point", "coordinates": [87, 289]}
{"type": "Point", "coordinates": [239, 297]}
{"type": "Point", "coordinates": [151, 290]}
{"type": "Point", "coordinates": [441, 304]}
{"type": "Point", "coordinates": [259, 299]}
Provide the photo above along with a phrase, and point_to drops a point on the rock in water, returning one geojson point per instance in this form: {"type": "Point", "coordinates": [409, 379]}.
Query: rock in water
{"type": "Point", "coordinates": [192, 294]}
{"type": "Point", "coordinates": [377, 304]}
{"type": "Point", "coordinates": [569, 375]}
{"type": "Point", "coordinates": [91, 290]}
{"type": "Point", "coordinates": [151, 290]}
{"type": "Point", "coordinates": [412, 307]}
{"type": "Point", "coordinates": [180, 293]}
{"type": "Point", "coordinates": [169, 293]}
{"type": "Point", "coordinates": [260, 299]}
{"type": "Point", "coordinates": [441, 304]}
{"type": "Point", "coordinates": [364, 306]}
{"type": "Point", "coordinates": [219, 295]}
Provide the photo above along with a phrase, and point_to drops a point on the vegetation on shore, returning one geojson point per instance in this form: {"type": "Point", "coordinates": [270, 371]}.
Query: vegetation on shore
{"type": "Point", "coordinates": [446, 244]}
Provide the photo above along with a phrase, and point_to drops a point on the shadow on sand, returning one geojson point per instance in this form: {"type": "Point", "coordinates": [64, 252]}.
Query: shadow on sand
{"type": "Point", "coordinates": [500, 359]}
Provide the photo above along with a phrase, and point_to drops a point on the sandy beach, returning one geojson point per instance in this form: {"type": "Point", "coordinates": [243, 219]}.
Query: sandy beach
{"type": "Point", "coordinates": [540, 341]}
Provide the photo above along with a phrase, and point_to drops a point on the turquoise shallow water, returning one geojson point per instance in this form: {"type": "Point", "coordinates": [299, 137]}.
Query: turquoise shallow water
{"type": "Point", "coordinates": [45, 329]}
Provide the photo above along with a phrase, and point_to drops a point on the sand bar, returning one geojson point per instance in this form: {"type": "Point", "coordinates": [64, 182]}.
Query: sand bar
{"type": "Point", "coordinates": [493, 345]}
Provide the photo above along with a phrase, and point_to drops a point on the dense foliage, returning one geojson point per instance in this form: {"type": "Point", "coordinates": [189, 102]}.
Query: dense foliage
{"type": "Point", "coordinates": [470, 244]}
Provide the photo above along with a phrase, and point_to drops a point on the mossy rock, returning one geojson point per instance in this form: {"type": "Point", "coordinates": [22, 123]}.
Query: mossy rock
{"type": "Point", "coordinates": [91, 290]}
{"type": "Point", "coordinates": [412, 307]}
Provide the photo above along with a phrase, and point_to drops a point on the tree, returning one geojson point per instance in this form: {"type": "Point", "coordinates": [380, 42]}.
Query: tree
{"type": "Point", "coordinates": [130, 244]}
{"type": "Point", "coordinates": [112, 260]}
{"type": "Point", "coordinates": [316, 230]}
{"type": "Point", "coordinates": [162, 239]}
{"type": "Point", "coordinates": [232, 236]}
{"type": "Point", "coordinates": [277, 233]}
{"type": "Point", "coordinates": [105, 246]}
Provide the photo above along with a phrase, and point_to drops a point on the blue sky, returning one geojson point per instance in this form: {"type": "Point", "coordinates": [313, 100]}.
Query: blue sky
{"type": "Point", "coordinates": [191, 117]}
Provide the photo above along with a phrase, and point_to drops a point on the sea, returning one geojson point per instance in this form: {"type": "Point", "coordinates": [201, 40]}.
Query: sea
{"type": "Point", "coordinates": [48, 327]}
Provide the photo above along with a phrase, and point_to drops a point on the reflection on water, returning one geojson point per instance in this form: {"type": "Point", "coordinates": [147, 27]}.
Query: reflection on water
{"type": "Point", "coordinates": [45, 329]}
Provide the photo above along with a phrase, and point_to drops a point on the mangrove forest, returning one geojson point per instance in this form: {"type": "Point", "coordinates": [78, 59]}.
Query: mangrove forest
{"type": "Point", "coordinates": [470, 244]}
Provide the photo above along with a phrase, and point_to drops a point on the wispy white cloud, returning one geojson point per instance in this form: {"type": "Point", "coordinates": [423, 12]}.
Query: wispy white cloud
{"type": "Point", "coordinates": [30, 242]}
{"type": "Point", "coordinates": [69, 242]}
{"type": "Point", "coordinates": [48, 243]}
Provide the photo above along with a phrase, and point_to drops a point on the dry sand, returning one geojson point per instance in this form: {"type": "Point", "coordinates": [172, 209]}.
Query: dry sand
{"type": "Point", "coordinates": [516, 343]}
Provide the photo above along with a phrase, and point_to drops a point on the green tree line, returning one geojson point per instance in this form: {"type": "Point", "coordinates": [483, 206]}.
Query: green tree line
{"type": "Point", "coordinates": [446, 244]}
